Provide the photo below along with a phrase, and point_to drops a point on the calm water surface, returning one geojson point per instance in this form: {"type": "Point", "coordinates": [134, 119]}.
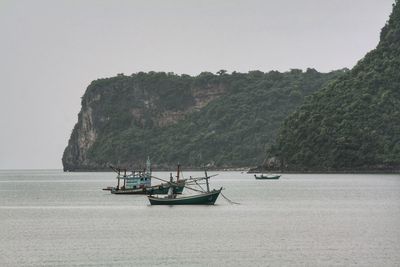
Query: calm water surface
{"type": "Point", "coordinates": [51, 218]}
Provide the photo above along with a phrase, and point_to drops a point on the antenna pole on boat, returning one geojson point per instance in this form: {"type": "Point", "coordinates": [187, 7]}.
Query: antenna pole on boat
{"type": "Point", "coordinates": [208, 186]}
{"type": "Point", "coordinates": [177, 172]}
{"type": "Point", "coordinates": [148, 167]}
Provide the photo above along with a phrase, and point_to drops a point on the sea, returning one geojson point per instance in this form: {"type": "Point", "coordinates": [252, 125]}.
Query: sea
{"type": "Point", "coordinates": [54, 218]}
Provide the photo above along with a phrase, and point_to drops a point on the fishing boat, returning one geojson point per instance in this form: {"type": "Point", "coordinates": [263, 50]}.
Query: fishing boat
{"type": "Point", "coordinates": [267, 177]}
{"type": "Point", "coordinates": [138, 182]}
{"type": "Point", "coordinates": [149, 190]}
{"type": "Point", "coordinates": [206, 197]}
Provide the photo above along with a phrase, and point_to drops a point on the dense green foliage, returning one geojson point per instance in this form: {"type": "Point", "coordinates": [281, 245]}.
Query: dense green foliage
{"type": "Point", "coordinates": [236, 129]}
{"type": "Point", "coordinates": [354, 122]}
{"type": "Point", "coordinates": [233, 129]}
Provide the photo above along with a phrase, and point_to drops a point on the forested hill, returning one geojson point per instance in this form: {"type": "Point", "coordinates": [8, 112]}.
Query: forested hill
{"type": "Point", "coordinates": [354, 122]}
{"type": "Point", "coordinates": [224, 120]}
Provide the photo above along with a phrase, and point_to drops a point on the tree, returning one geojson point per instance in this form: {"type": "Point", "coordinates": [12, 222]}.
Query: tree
{"type": "Point", "coordinates": [221, 72]}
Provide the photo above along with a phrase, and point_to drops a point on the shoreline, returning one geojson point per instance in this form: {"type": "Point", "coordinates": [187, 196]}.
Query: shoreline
{"type": "Point", "coordinates": [250, 170]}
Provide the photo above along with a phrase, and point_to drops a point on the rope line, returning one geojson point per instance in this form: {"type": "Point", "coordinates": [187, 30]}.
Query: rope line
{"type": "Point", "coordinates": [230, 201]}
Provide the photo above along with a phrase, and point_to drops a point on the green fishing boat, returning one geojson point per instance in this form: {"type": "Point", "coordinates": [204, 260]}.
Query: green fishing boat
{"type": "Point", "coordinates": [206, 197]}
{"type": "Point", "coordinates": [267, 177]}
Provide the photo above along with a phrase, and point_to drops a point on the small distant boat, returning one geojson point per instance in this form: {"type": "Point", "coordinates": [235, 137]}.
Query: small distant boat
{"type": "Point", "coordinates": [267, 177]}
{"type": "Point", "coordinates": [206, 197]}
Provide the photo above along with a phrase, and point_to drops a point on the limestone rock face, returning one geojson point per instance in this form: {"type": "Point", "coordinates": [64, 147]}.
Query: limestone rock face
{"type": "Point", "coordinates": [145, 109]}
{"type": "Point", "coordinates": [222, 121]}
{"type": "Point", "coordinates": [82, 138]}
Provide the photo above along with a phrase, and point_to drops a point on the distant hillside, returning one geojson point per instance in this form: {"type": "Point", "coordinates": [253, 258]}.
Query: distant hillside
{"type": "Point", "coordinates": [354, 122]}
{"type": "Point", "coordinates": [224, 120]}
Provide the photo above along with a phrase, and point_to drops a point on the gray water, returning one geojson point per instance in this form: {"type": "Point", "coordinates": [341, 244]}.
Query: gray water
{"type": "Point", "coordinates": [51, 218]}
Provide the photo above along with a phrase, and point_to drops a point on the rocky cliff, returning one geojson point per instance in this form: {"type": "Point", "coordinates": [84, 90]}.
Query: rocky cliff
{"type": "Point", "coordinates": [222, 120]}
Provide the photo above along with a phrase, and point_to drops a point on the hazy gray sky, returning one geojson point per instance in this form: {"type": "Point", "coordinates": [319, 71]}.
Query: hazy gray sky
{"type": "Point", "coordinates": [51, 50]}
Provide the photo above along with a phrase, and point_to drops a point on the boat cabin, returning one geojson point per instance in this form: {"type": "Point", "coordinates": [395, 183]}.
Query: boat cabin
{"type": "Point", "coordinates": [137, 179]}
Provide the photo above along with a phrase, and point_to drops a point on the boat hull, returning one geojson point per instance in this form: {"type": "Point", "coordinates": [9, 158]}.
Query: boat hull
{"type": "Point", "coordinates": [151, 190]}
{"type": "Point", "coordinates": [262, 177]}
{"type": "Point", "coordinates": [203, 199]}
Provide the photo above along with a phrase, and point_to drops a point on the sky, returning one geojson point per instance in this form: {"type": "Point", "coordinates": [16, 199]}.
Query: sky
{"type": "Point", "coordinates": [51, 50]}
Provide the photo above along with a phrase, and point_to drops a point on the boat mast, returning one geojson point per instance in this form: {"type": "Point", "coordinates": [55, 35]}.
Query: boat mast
{"type": "Point", "coordinates": [177, 172]}
{"type": "Point", "coordinates": [119, 173]}
{"type": "Point", "coordinates": [124, 178]}
{"type": "Point", "coordinates": [148, 167]}
{"type": "Point", "coordinates": [208, 186]}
